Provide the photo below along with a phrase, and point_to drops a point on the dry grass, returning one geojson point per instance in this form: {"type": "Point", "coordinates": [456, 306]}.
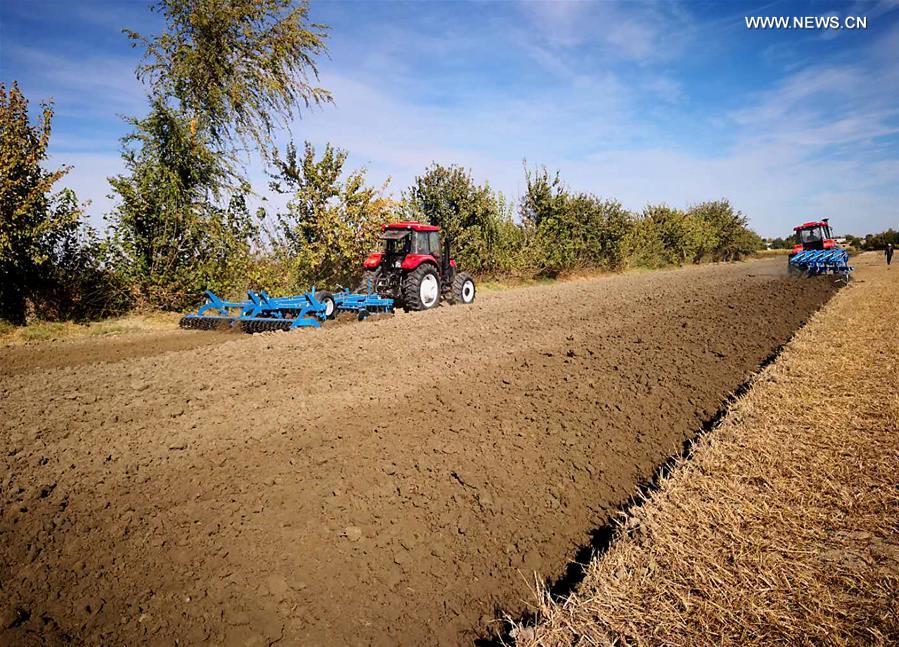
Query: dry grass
{"type": "Point", "coordinates": [768, 253]}
{"type": "Point", "coordinates": [49, 330]}
{"type": "Point", "coordinates": [783, 527]}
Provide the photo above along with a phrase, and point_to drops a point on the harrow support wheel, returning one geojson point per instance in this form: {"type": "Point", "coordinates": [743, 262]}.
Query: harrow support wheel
{"type": "Point", "coordinates": [327, 299]}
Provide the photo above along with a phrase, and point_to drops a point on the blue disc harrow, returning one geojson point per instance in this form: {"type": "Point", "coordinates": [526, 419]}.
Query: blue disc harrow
{"type": "Point", "coordinates": [361, 304]}
{"type": "Point", "coordinates": [262, 313]}
{"type": "Point", "coordinates": [822, 261]}
{"type": "Point", "coordinates": [259, 313]}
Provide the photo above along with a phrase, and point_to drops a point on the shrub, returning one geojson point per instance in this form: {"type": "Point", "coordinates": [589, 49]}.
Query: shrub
{"type": "Point", "coordinates": [331, 222]}
{"type": "Point", "coordinates": [572, 231]}
{"type": "Point", "coordinates": [880, 241]}
{"type": "Point", "coordinates": [723, 232]}
{"type": "Point", "coordinates": [477, 220]}
{"type": "Point", "coordinates": [680, 233]}
{"type": "Point", "coordinates": [171, 239]}
{"type": "Point", "coordinates": [644, 245]}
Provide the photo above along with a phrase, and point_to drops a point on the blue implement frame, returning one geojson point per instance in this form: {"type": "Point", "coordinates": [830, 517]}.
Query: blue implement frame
{"type": "Point", "coordinates": [262, 312]}
{"type": "Point", "coordinates": [259, 312]}
{"type": "Point", "coordinates": [363, 304]}
{"type": "Point", "coordinates": [822, 261]}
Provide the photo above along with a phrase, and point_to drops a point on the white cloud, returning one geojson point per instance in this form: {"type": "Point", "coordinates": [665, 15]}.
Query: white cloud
{"type": "Point", "coordinates": [636, 31]}
{"type": "Point", "coordinates": [88, 178]}
{"type": "Point", "coordinates": [95, 86]}
{"type": "Point", "coordinates": [821, 142]}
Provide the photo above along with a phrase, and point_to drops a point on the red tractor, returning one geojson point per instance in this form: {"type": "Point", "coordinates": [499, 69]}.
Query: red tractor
{"type": "Point", "coordinates": [414, 270]}
{"type": "Point", "coordinates": [813, 235]}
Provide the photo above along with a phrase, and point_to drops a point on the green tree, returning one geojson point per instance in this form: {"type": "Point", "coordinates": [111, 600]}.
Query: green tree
{"type": "Point", "coordinates": [332, 221]}
{"type": "Point", "coordinates": [33, 219]}
{"type": "Point", "coordinates": [782, 243]}
{"type": "Point", "coordinates": [573, 231]}
{"type": "Point", "coordinates": [171, 237]}
{"type": "Point", "coordinates": [644, 245]}
{"type": "Point", "coordinates": [880, 241]}
{"type": "Point", "coordinates": [678, 231]}
{"type": "Point", "coordinates": [471, 216]}
{"type": "Point", "coordinates": [725, 235]}
{"type": "Point", "coordinates": [240, 68]}
{"type": "Point", "coordinates": [854, 241]}
{"type": "Point", "coordinates": [222, 76]}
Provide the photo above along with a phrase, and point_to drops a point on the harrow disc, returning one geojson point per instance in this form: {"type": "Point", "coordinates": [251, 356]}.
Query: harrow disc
{"type": "Point", "coordinates": [251, 326]}
{"type": "Point", "coordinates": [205, 323]}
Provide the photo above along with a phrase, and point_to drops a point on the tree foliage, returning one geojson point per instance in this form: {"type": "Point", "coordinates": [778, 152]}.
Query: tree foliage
{"type": "Point", "coordinates": [241, 68]}
{"type": "Point", "coordinates": [221, 74]}
{"type": "Point", "coordinates": [572, 230]}
{"type": "Point", "coordinates": [680, 233]}
{"type": "Point", "coordinates": [172, 238]}
{"type": "Point", "coordinates": [881, 240]}
{"type": "Point", "coordinates": [724, 234]}
{"type": "Point", "coordinates": [477, 221]}
{"type": "Point", "coordinates": [782, 243]}
{"type": "Point", "coordinates": [34, 220]}
{"type": "Point", "coordinates": [332, 220]}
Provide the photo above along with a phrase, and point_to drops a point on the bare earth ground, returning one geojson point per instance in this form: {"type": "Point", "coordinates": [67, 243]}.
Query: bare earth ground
{"type": "Point", "coordinates": [783, 526]}
{"type": "Point", "coordinates": [23, 358]}
{"type": "Point", "coordinates": [389, 482]}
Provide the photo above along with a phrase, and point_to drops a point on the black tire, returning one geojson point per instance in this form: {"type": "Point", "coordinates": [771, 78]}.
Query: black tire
{"type": "Point", "coordinates": [327, 299]}
{"type": "Point", "coordinates": [463, 290]}
{"type": "Point", "coordinates": [369, 278]}
{"type": "Point", "coordinates": [421, 288]}
{"type": "Point", "coordinates": [363, 314]}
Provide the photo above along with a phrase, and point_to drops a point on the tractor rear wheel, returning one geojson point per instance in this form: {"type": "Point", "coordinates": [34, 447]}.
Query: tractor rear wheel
{"type": "Point", "coordinates": [421, 288]}
{"type": "Point", "coordinates": [369, 282]}
{"type": "Point", "coordinates": [463, 290]}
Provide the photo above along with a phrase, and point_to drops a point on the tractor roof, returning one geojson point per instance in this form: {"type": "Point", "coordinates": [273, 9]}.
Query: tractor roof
{"type": "Point", "coordinates": [394, 234]}
{"type": "Point", "coordinates": [411, 224]}
{"type": "Point", "coordinates": [809, 225]}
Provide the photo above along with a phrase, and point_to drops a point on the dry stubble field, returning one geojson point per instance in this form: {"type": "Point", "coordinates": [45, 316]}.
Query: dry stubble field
{"type": "Point", "coordinates": [782, 528]}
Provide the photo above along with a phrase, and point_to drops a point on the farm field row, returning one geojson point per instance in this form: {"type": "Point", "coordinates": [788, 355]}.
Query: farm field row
{"type": "Point", "coordinates": [396, 481]}
{"type": "Point", "coordinates": [782, 527]}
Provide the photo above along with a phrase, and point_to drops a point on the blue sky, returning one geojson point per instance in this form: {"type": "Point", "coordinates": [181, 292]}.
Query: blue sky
{"type": "Point", "coordinates": [672, 102]}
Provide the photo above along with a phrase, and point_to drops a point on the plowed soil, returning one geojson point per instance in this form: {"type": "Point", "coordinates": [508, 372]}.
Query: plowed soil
{"type": "Point", "coordinates": [389, 482]}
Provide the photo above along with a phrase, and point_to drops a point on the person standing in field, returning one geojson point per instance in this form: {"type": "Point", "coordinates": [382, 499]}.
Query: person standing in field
{"type": "Point", "coordinates": [888, 252]}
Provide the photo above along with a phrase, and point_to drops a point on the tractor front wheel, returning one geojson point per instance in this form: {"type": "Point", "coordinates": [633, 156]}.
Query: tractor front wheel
{"type": "Point", "coordinates": [463, 290]}
{"type": "Point", "coordinates": [421, 289]}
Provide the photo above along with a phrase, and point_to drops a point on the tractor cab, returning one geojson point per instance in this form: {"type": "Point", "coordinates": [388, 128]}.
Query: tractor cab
{"type": "Point", "coordinates": [813, 235]}
{"type": "Point", "coordinates": [399, 241]}
{"type": "Point", "coordinates": [414, 269]}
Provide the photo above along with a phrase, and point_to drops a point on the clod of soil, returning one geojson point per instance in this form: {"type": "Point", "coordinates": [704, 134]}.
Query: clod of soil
{"type": "Point", "coordinates": [388, 482]}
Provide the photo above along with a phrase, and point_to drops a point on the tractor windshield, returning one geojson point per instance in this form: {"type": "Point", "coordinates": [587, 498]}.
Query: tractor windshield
{"type": "Point", "coordinates": [396, 241]}
{"type": "Point", "coordinates": [810, 235]}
